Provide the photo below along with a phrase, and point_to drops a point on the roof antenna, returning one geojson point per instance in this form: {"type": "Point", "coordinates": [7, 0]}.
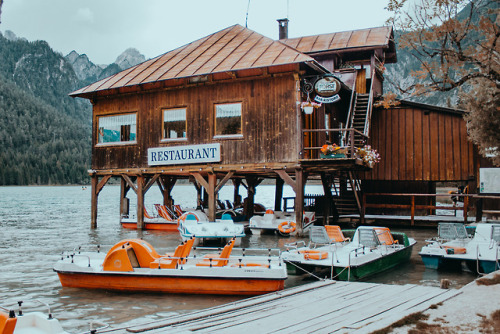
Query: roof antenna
{"type": "Point", "coordinates": [246, 19]}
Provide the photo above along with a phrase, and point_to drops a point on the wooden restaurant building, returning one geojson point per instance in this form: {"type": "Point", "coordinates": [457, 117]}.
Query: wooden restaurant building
{"type": "Point", "coordinates": [236, 105]}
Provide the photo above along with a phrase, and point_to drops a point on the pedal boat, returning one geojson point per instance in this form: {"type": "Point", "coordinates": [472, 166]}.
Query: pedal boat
{"type": "Point", "coordinates": [28, 323]}
{"type": "Point", "coordinates": [453, 247]}
{"type": "Point", "coordinates": [163, 220]}
{"type": "Point", "coordinates": [280, 222]}
{"type": "Point", "coordinates": [134, 265]}
{"type": "Point", "coordinates": [371, 251]}
{"type": "Point", "coordinates": [196, 223]}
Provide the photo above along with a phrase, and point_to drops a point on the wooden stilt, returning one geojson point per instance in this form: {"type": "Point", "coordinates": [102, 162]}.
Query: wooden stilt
{"type": "Point", "coordinates": [96, 189]}
{"type": "Point", "coordinates": [93, 201]}
{"type": "Point", "coordinates": [252, 183]}
{"type": "Point", "coordinates": [212, 180]}
{"type": "Point", "coordinates": [278, 195]}
{"type": "Point", "coordinates": [327, 190]}
{"type": "Point", "coordinates": [236, 194]}
{"type": "Point", "coordinates": [166, 184]}
{"type": "Point", "coordinates": [299, 200]}
{"type": "Point", "coordinates": [140, 202]}
{"type": "Point", "coordinates": [124, 201]}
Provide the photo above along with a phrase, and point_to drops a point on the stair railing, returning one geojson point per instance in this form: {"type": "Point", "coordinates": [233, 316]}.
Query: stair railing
{"type": "Point", "coordinates": [350, 114]}
{"type": "Point", "coordinates": [369, 107]}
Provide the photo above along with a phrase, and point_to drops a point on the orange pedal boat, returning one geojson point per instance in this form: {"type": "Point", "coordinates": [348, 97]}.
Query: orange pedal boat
{"type": "Point", "coordinates": [134, 265]}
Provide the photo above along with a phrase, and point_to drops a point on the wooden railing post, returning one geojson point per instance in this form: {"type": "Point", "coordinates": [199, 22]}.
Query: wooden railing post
{"type": "Point", "coordinates": [412, 210]}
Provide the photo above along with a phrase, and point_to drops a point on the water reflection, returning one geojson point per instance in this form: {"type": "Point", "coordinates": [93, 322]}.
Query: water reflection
{"type": "Point", "coordinates": [38, 223]}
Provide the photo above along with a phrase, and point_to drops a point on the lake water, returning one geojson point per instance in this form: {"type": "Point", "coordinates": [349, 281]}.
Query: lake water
{"type": "Point", "coordinates": [38, 223]}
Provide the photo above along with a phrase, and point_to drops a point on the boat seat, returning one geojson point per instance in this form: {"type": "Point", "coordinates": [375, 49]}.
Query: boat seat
{"type": "Point", "coordinates": [318, 235]}
{"type": "Point", "coordinates": [384, 235]}
{"type": "Point", "coordinates": [219, 260]}
{"type": "Point", "coordinates": [7, 322]}
{"type": "Point", "coordinates": [335, 233]}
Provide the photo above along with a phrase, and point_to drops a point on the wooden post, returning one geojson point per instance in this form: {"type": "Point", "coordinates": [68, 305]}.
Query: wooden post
{"type": "Point", "coordinates": [212, 180]}
{"type": "Point", "coordinates": [412, 210]}
{"type": "Point", "coordinates": [466, 207]}
{"type": "Point", "coordinates": [327, 190]}
{"type": "Point", "coordinates": [124, 203]}
{"type": "Point", "coordinates": [93, 201]}
{"type": "Point", "coordinates": [278, 195]}
{"type": "Point", "coordinates": [140, 202]}
{"type": "Point", "coordinates": [299, 200]}
{"type": "Point", "coordinates": [236, 194]}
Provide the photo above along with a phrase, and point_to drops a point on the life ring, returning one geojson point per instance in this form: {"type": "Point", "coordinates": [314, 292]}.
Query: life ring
{"type": "Point", "coordinates": [311, 254]}
{"type": "Point", "coordinates": [287, 227]}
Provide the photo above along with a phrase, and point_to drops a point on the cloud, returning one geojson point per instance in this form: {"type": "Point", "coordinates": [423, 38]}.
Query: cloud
{"type": "Point", "coordinates": [85, 15]}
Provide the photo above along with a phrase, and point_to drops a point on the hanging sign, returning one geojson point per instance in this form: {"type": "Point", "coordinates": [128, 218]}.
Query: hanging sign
{"type": "Point", "coordinates": [327, 86]}
{"type": "Point", "coordinates": [184, 155]}
{"type": "Point", "coordinates": [322, 99]}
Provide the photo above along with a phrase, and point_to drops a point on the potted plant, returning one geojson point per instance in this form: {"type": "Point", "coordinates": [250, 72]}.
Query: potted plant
{"type": "Point", "coordinates": [368, 155]}
{"type": "Point", "coordinates": [332, 151]}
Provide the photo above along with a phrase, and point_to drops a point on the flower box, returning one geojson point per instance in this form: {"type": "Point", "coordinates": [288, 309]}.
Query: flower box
{"type": "Point", "coordinates": [332, 155]}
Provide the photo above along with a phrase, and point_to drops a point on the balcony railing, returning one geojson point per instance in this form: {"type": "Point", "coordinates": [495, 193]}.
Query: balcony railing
{"type": "Point", "coordinates": [321, 136]}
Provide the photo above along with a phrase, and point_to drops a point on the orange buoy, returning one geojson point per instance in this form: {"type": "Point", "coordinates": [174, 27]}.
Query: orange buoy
{"type": "Point", "coordinates": [287, 227]}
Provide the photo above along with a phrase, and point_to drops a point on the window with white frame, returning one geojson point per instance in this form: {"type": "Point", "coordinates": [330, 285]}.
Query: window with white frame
{"type": "Point", "coordinates": [174, 123]}
{"type": "Point", "coordinates": [228, 119]}
{"type": "Point", "coordinates": [117, 129]}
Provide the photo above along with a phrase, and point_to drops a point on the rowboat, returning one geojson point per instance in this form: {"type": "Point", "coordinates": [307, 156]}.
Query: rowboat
{"type": "Point", "coordinates": [372, 250]}
{"type": "Point", "coordinates": [196, 224]}
{"type": "Point", "coordinates": [28, 322]}
{"type": "Point", "coordinates": [453, 247]}
{"type": "Point", "coordinates": [280, 222]}
{"type": "Point", "coordinates": [134, 265]}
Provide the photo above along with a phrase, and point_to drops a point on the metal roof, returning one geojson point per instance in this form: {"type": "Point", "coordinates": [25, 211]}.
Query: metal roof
{"type": "Point", "coordinates": [343, 41]}
{"type": "Point", "coordinates": [232, 49]}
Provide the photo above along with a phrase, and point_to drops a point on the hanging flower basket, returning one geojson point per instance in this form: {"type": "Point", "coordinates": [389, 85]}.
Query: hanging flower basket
{"type": "Point", "coordinates": [309, 107]}
{"type": "Point", "coordinates": [368, 155]}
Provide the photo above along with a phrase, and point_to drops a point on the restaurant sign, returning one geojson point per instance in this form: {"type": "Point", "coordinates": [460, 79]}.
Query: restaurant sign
{"type": "Point", "coordinates": [184, 155]}
{"type": "Point", "coordinates": [326, 89]}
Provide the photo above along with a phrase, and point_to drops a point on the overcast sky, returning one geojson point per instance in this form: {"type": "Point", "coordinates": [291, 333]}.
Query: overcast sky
{"type": "Point", "coordinates": [105, 28]}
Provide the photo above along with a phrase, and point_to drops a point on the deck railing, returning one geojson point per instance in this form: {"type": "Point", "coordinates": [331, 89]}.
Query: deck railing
{"type": "Point", "coordinates": [315, 150]}
{"type": "Point", "coordinates": [412, 206]}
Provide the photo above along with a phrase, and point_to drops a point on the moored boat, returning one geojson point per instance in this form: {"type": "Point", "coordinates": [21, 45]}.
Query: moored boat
{"type": "Point", "coordinates": [280, 222]}
{"type": "Point", "coordinates": [134, 265]}
{"type": "Point", "coordinates": [453, 247]}
{"type": "Point", "coordinates": [28, 322]}
{"type": "Point", "coordinates": [196, 224]}
{"type": "Point", "coordinates": [371, 250]}
{"type": "Point", "coordinates": [164, 219]}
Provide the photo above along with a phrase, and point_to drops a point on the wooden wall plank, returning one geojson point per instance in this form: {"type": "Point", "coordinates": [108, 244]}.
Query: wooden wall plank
{"type": "Point", "coordinates": [417, 145]}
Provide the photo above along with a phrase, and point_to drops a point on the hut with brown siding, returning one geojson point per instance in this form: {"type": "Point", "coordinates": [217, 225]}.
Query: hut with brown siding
{"type": "Point", "coordinates": [234, 106]}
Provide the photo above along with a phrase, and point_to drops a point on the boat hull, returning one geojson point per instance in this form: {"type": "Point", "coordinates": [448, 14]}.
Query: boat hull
{"type": "Point", "coordinates": [172, 284]}
{"type": "Point", "coordinates": [173, 227]}
{"type": "Point", "coordinates": [356, 272]}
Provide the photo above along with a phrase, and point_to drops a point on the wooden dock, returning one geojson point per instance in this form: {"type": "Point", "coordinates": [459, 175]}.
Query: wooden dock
{"type": "Point", "coordinates": [320, 307]}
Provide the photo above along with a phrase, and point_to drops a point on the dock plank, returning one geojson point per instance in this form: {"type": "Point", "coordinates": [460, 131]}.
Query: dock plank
{"type": "Point", "coordinates": [319, 307]}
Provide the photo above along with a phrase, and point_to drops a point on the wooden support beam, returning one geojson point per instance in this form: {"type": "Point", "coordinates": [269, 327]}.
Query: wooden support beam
{"type": "Point", "coordinates": [223, 181]}
{"type": "Point", "coordinates": [150, 182]}
{"type": "Point", "coordinates": [166, 184]}
{"type": "Point", "coordinates": [129, 182]}
{"type": "Point", "coordinates": [103, 182]}
{"type": "Point", "coordinates": [287, 178]}
{"type": "Point", "coordinates": [124, 201]}
{"type": "Point", "coordinates": [200, 180]}
{"type": "Point", "coordinates": [278, 195]}
{"type": "Point", "coordinates": [140, 202]}
{"type": "Point", "coordinates": [93, 202]}
{"type": "Point", "coordinates": [212, 180]}
{"type": "Point", "coordinates": [299, 200]}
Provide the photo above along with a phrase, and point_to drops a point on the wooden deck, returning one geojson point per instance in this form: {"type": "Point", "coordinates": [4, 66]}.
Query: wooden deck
{"type": "Point", "coordinates": [320, 307]}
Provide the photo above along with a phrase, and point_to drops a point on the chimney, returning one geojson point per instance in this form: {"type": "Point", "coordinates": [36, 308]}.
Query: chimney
{"type": "Point", "coordinates": [283, 23]}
